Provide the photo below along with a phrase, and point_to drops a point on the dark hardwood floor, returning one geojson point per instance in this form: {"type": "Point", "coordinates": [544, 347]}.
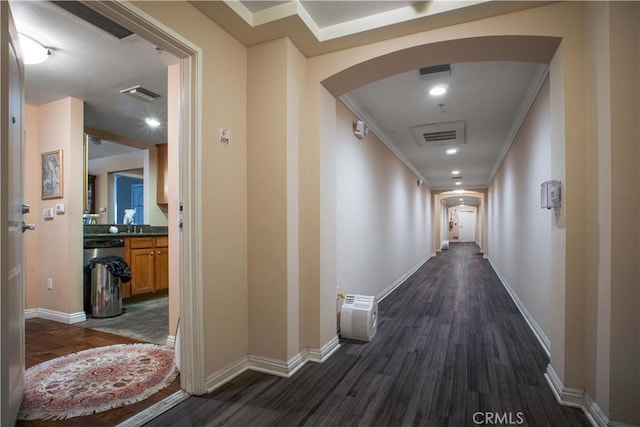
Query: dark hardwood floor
{"type": "Point", "coordinates": [451, 350]}
{"type": "Point", "coordinates": [46, 340]}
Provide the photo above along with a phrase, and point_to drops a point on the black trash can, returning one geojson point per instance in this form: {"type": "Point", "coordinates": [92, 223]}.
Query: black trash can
{"type": "Point", "coordinates": [106, 287]}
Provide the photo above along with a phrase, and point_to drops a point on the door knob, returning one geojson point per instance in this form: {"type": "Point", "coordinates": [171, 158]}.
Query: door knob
{"type": "Point", "coordinates": [26, 227]}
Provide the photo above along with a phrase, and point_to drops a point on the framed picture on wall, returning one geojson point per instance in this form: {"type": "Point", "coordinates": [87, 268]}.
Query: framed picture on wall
{"type": "Point", "coordinates": [52, 173]}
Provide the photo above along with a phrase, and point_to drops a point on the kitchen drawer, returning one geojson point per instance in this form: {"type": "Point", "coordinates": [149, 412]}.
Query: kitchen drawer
{"type": "Point", "coordinates": [141, 242]}
{"type": "Point", "coordinates": [162, 242]}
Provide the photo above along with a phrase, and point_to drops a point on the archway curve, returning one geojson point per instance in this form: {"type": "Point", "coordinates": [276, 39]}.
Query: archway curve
{"type": "Point", "coordinates": [473, 49]}
{"type": "Point", "coordinates": [439, 216]}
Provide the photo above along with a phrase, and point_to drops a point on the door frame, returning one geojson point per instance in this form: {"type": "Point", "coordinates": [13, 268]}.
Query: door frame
{"type": "Point", "coordinates": [191, 323]}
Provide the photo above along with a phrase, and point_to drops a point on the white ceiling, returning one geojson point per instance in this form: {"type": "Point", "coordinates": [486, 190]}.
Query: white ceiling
{"type": "Point", "coordinates": [485, 95]}
{"type": "Point", "coordinates": [92, 65]}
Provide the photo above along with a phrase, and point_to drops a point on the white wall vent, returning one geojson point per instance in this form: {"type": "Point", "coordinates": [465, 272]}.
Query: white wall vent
{"type": "Point", "coordinates": [439, 134]}
{"type": "Point", "coordinates": [359, 317]}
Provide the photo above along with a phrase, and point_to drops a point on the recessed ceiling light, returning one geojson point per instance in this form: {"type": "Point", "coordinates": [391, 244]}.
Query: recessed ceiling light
{"type": "Point", "coordinates": [32, 51]}
{"type": "Point", "coordinates": [455, 172]}
{"type": "Point", "coordinates": [458, 183]}
{"type": "Point", "coordinates": [152, 122]}
{"type": "Point", "coordinates": [461, 199]}
{"type": "Point", "coordinates": [438, 90]}
{"type": "Point", "coordinates": [452, 151]}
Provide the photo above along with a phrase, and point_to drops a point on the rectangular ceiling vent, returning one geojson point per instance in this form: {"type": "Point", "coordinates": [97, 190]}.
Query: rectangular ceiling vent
{"type": "Point", "coordinates": [141, 93]}
{"type": "Point", "coordinates": [436, 72]}
{"type": "Point", "coordinates": [440, 134]}
{"type": "Point", "coordinates": [91, 16]}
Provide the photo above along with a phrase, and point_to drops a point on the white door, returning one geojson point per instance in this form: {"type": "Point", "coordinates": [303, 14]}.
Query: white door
{"type": "Point", "coordinates": [11, 225]}
{"type": "Point", "coordinates": [467, 225]}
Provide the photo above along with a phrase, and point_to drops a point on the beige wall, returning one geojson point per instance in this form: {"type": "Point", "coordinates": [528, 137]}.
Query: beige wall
{"type": "Point", "coordinates": [612, 292]}
{"type": "Point", "coordinates": [383, 217]}
{"type": "Point", "coordinates": [56, 251]}
{"type": "Point", "coordinates": [268, 198]}
{"type": "Point", "coordinates": [519, 231]}
{"type": "Point", "coordinates": [277, 71]}
{"type": "Point", "coordinates": [350, 68]}
{"type": "Point", "coordinates": [223, 200]}
{"type": "Point", "coordinates": [225, 195]}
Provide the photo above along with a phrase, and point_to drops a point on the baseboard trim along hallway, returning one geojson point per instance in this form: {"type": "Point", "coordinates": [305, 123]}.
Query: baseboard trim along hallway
{"type": "Point", "coordinates": [533, 325]}
{"type": "Point", "coordinates": [451, 345]}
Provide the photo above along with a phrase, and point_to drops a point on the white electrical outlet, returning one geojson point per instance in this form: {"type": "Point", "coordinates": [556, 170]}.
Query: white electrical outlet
{"type": "Point", "coordinates": [49, 283]}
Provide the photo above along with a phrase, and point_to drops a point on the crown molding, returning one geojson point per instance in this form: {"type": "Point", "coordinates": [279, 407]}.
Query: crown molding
{"type": "Point", "coordinates": [357, 109]}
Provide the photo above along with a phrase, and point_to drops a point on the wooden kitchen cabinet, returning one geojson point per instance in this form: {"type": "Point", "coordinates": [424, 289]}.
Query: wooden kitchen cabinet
{"type": "Point", "coordinates": [162, 263]}
{"type": "Point", "coordinates": [142, 264]}
{"type": "Point", "coordinates": [162, 181]}
{"type": "Point", "coordinates": [148, 259]}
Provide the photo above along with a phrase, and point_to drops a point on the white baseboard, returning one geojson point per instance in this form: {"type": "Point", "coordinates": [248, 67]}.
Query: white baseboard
{"type": "Point", "coordinates": [171, 341]}
{"type": "Point", "coordinates": [154, 411]}
{"type": "Point", "coordinates": [533, 325]}
{"type": "Point", "coordinates": [278, 367]}
{"type": "Point", "coordinates": [593, 412]}
{"type": "Point", "coordinates": [319, 355]}
{"type": "Point", "coordinates": [578, 398]}
{"type": "Point", "coordinates": [385, 293]}
{"type": "Point", "coordinates": [57, 316]}
{"type": "Point", "coordinates": [223, 376]}
{"type": "Point", "coordinates": [271, 366]}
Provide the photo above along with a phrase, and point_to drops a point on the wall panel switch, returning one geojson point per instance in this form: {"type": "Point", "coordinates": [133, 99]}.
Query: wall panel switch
{"type": "Point", "coordinates": [47, 213]}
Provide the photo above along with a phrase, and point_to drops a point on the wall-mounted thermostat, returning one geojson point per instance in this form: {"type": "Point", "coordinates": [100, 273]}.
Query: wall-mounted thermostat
{"type": "Point", "coordinates": [551, 194]}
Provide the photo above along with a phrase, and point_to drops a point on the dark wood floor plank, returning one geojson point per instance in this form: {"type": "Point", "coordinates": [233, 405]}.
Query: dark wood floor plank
{"type": "Point", "coordinates": [450, 344]}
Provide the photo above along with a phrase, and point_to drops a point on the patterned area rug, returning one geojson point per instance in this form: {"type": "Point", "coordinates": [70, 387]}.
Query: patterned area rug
{"type": "Point", "coordinates": [96, 380]}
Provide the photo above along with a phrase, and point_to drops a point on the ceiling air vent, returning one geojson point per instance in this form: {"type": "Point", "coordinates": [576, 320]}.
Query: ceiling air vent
{"type": "Point", "coordinates": [440, 134]}
{"type": "Point", "coordinates": [141, 93]}
{"type": "Point", "coordinates": [91, 16]}
{"type": "Point", "coordinates": [436, 72]}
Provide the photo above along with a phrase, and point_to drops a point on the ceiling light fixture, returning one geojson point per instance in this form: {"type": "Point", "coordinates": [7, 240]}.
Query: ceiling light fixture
{"type": "Point", "coordinates": [458, 183]}
{"type": "Point", "coordinates": [152, 122]}
{"type": "Point", "coordinates": [438, 90]}
{"type": "Point", "coordinates": [461, 199]}
{"type": "Point", "coordinates": [32, 51]}
{"type": "Point", "coordinates": [455, 172]}
{"type": "Point", "coordinates": [452, 151]}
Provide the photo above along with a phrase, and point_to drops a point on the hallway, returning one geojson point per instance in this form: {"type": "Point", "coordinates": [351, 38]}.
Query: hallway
{"type": "Point", "coordinates": [450, 344]}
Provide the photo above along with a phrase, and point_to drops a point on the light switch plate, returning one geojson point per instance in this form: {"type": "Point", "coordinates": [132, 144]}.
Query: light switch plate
{"type": "Point", "coordinates": [47, 213]}
{"type": "Point", "coordinates": [59, 208]}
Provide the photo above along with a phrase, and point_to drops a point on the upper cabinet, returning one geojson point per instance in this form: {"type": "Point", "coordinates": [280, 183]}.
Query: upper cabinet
{"type": "Point", "coordinates": [162, 196]}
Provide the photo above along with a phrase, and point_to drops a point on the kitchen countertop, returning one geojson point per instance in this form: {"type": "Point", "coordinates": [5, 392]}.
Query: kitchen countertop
{"type": "Point", "coordinates": [105, 235]}
{"type": "Point", "coordinates": [101, 231]}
